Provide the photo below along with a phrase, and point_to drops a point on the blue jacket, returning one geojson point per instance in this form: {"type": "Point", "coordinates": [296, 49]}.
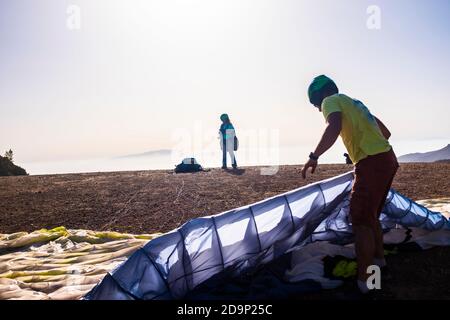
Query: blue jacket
{"type": "Point", "coordinates": [223, 130]}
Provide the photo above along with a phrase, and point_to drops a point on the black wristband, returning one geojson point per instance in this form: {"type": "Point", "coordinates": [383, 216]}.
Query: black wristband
{"type": "Point", "coordinates": [313, 157]}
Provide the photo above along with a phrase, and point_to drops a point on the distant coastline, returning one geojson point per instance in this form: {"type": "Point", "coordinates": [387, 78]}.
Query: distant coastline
{"type": "Point", "coordinates": [166, 159]}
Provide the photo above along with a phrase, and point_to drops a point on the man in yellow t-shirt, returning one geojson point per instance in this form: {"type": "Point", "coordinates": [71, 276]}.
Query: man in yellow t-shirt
{"type": "Point", "coordinates": [366, 140]}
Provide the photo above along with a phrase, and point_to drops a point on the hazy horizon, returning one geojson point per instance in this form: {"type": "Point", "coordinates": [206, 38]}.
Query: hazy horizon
{"type": "Point", "coordinates": [168, 159]}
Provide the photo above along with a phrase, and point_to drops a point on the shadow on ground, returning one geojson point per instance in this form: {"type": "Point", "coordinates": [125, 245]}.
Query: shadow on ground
{"type": "Point", "coordinates": [236, 172]}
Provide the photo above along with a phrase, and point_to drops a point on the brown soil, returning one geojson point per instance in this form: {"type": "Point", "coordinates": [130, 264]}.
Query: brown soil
{"type": "Point", "coordinates": [158, 201]}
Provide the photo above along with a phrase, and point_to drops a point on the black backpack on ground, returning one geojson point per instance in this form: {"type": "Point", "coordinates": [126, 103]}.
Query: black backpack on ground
{"type": "Point", "coordinates": [188, 165]}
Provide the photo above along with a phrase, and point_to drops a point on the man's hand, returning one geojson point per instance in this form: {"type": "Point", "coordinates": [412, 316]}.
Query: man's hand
{"type": "Point", "coordinates": [329, 137]}
{"type": "Point", "coordinates": [310, 164]}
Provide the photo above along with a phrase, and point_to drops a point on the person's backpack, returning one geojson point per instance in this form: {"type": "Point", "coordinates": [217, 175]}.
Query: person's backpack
{"type": "Point", "coordinates": [347, 159]}
{"type": "Point", "coordinates": [188, 165]}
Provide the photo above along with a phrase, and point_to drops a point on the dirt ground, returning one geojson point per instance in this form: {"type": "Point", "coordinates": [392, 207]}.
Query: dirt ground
{"type": "Point", "coordinates": [158, 201]}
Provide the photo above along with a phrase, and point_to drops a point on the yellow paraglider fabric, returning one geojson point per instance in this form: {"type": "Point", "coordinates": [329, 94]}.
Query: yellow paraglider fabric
{"type": "Point", "coordinates": [61, 263]}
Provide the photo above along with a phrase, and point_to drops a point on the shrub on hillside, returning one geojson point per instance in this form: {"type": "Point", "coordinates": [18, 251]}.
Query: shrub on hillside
{"type": "Point", "coordinates": [7, 168]}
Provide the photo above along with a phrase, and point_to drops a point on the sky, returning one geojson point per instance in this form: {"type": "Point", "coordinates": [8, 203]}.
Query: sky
{"type": "Point", "coordinates": [135, 75]}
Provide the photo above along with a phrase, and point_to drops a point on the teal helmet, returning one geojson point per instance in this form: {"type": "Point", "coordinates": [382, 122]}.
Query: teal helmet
{"type": "Point", "coordinates": [320, 88]}
{"type": "Point", "coordinates": [224, 117]}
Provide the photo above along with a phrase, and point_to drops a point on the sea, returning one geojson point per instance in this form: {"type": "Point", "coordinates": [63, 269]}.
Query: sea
{"type": "Point", "coordinates": [167, 160]}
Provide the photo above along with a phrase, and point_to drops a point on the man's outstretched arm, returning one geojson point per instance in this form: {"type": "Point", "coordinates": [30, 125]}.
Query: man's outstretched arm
{"type": "Point", "coordinates": [329, 137]}
{"type": "Point", "coordinates": [331, 133]}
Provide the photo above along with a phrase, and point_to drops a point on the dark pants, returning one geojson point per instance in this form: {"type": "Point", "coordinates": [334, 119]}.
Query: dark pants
{"type": "Point", "coordinates": [373, 179]}
{"type": "Point", "coordinates": [228, 147]}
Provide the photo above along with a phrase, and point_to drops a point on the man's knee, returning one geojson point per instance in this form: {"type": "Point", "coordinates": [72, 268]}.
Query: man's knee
{"type": "Point", "coordinates": [362, 214]}
{"type": "Point", "coordinates": [363, 220]}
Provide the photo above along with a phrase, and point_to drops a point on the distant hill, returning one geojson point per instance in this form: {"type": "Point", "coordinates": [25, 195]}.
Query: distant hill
{"type": "Point", "coordinates": [7, 168]}
{"type": "Point", "coordinates": [443, 161]}
{"type": "Point", "coordinates": [432, 156]}
{"type": "Point", "coordinates": [161, 152]}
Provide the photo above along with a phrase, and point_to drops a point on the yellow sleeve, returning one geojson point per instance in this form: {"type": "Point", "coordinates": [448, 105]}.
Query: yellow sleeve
{"type": "Point", "coordinates": [330, 105]}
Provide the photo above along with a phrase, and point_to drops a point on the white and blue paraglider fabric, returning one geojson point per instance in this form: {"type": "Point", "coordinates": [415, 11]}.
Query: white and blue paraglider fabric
{"type": "Point", "coordinates": [284, 245]}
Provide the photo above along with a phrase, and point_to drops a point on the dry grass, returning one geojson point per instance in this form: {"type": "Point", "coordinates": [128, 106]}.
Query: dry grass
{"type": "Point", "coordinates": [152, 201]}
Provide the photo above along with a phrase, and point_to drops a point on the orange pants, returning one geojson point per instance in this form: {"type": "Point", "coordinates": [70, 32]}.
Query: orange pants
{"type": "Point", "coordinates": [373, 179]}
